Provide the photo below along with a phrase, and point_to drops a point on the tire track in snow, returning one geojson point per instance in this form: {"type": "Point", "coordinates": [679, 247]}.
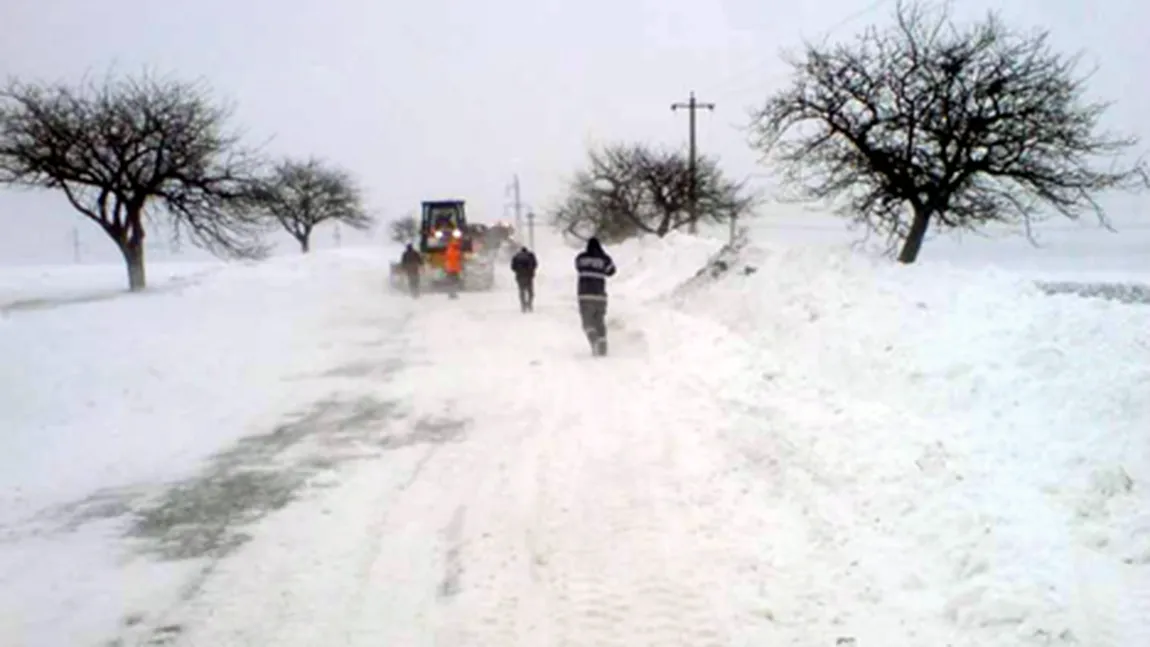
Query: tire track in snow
{"type": "Point", "coordinates": [501, 599]}
{"type": "Point", "coordinates": [266, 593]}
{"type": "Point", "coordinates": [548, 523]}
{"type": "Point", "coordinates": [613, 547]}
{"type": "Point", "coordinates": [622, 570]}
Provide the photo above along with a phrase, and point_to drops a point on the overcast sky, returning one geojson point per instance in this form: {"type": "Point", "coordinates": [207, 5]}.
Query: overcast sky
{"type": "Point", "coordinates": [445, 98]}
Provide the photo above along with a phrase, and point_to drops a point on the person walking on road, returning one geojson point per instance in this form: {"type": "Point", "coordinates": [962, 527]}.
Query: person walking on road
{"type": "Point", "coordinates": [524, 264]}
{"type": "Point", "coordinates": [594, 266]}
{"type": "Point", "coordinates": [410, 263]}
{"type": "Point", "coordinates": [453, 266]}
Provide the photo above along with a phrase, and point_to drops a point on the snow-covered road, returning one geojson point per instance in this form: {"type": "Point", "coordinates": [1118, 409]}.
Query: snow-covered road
{"type": "Point", "coordinates": [283, 454]}
{"type": "Point", "coordinates": [525, 494]}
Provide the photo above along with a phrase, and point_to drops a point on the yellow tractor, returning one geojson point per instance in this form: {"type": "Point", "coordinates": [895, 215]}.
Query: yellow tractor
{"type": "Point", "coordinates": [440, 222]}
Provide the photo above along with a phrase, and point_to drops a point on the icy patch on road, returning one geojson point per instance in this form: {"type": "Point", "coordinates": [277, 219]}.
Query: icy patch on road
{"type": "Point", "coordinates": [1122, 292]}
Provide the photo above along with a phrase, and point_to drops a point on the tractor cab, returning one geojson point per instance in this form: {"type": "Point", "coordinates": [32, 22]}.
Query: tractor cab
{"type": "Point", "coordinates": [443, 220]}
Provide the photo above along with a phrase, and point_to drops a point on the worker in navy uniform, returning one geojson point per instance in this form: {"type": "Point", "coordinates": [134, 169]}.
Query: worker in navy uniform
{"type": "Point", "coordinates": [524, 264]}
{"type": "Point", "coordinates": [594, 266]}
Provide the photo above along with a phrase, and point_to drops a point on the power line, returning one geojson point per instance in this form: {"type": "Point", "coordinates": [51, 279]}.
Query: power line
{"type": "Point", "coordinates": [518, 203]}
{"type": "Point", "coordinates": [854, 16]}
{"type": "Point", "coordinates": [692, 168]}
{"type": "Point", "coordinates": [738, 80]}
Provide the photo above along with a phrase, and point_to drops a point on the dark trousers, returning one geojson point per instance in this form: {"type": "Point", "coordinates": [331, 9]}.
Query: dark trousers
{"type": "Point", "coordinates": [593, 312]}
{"type": "Point", "coordinates": [526, 292]}
{"type": "Point", "coordinates": [454, 284]}
{"type": "Point", "coordinates": [413, 283]}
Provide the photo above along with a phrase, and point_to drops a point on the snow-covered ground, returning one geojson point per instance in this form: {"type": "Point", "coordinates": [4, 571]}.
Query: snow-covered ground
{"type": "Point", "coordinates": [825, 448]}
{"type": "Point", "coordinates": [44, 286]}
{"type": "Point", "coordinates": [1060, 249]}
{"type": "Point", "coordinates": [973, 449]}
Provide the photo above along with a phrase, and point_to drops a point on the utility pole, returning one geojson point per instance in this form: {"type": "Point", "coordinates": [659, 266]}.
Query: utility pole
{"type": "Point", "coordinates": [531, 230]}
{"type": "Point", "coordinates": [693, 183]}
{"type": "Point", "coordinates": [76, 244]}
{"type": "Point", "coordinates": [518, 203]}
{"type": "Point", "coordinates": [335, 235]}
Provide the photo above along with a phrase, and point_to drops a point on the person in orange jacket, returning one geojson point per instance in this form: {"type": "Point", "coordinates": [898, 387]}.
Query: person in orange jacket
{"type": "Point", "coordinates": [453, 266]}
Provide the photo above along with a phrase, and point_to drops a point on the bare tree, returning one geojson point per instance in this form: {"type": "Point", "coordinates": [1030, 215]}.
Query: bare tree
{"type": "Point", "coordinates": [129, 148]}
{"type": "Point", "coordinates": [926, 122]}
{"type": "Point", "coordinates": [300, 195]}
{"type": "Point", "coordinates": [631, 189]}
{"type": "Point", "coordinates": [405, 229]}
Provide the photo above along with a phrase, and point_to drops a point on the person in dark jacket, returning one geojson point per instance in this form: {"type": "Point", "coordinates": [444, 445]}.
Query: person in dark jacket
{"type": "Point", "coordinates": [594, 266]}
{"type": "Point", "coordinates": [524, 264]}
{"type": "Point", "coordinates": [410, 263]}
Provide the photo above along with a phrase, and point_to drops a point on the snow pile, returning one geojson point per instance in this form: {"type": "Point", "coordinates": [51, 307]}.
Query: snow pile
{"type": "Point", "coordinates": [648, 267]}
{"type": "Point", "coordinates": [974, 450]}
{"type": "Point", "coordinates": [651, 266]}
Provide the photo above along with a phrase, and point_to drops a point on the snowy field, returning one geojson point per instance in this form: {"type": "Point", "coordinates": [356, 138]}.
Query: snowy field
{"type": "Point", "coordinates": [797, 445]}
{"type": "Point", "coordinates": [45, 286]}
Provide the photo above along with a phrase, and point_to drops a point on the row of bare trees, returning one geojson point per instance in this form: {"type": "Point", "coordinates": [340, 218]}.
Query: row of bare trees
{"type": "Point", "coordinates": [130, 152]}
{"type": "Point", "coordinates": [925, 123]}
{"type": "Point", "coordinates": [633, 189]}
{"type": "Point", "coordinates": [921, 124]}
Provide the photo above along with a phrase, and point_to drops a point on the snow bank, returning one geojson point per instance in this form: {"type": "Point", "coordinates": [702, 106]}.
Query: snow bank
{"type": "Point", "coordinates": [978, 448]}
{"type": "Point", "coordinates": [650, 267]}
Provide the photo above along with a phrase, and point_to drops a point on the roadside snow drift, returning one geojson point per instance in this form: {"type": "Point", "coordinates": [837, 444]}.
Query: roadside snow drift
{"type": "Point", "coordinates": [972, 449]}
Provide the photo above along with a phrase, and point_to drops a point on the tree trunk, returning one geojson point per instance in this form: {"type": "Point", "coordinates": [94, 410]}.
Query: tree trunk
{"type": "Point", "coordinates": [304, 242]}
{"type": "Point", "coordinates": [133, 252]}
{"type": "Point", "coordinates": [913, 243]}
{"type": "Point", "coordinates": [131, 242]}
